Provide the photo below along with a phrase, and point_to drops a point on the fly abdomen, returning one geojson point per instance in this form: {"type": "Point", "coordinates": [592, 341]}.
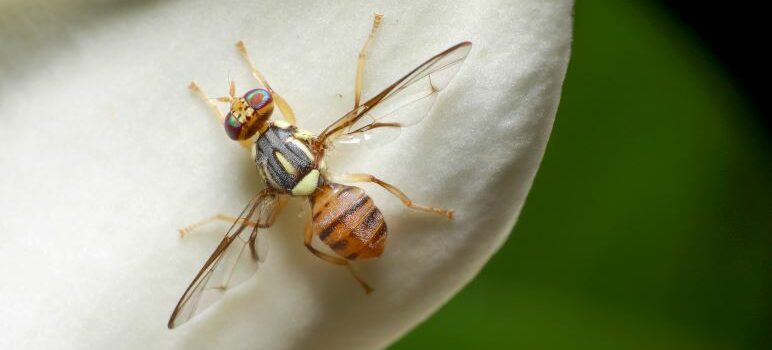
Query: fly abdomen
{"type": "Point", "coordinates": [347, 220]}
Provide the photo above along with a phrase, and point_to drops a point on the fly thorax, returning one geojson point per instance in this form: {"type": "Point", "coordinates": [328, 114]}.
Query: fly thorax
{"type": "Point", "coordinates": [284, 159]}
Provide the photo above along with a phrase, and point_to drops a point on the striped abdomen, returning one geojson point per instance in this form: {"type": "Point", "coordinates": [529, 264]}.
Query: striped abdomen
{"type": "Point", "coordinates": [347, 220]}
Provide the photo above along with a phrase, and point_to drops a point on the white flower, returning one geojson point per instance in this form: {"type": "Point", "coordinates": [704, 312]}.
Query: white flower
{"type": "Point", "coordinates": [105, 154]}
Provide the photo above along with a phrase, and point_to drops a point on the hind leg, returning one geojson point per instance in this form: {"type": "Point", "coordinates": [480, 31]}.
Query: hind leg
{"type": "Point", "coordinates": [307, 240]}
{"type": "Point", "coordinates": [396, 192]}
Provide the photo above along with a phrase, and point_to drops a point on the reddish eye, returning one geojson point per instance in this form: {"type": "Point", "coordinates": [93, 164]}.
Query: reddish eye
{"type": "Point", "coordinates": [248, 114]}
{"type": "Point", "coordinates": [260, 100]}
{"type": "Point", "coordinates": [232, 127]}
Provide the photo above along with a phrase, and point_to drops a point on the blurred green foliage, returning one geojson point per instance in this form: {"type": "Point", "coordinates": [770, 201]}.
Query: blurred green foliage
{"type": "Point", "coordinates": [648, 226]}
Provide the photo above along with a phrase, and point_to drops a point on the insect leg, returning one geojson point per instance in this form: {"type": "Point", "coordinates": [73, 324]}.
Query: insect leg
{"type": "Point", "coordinates": [395, 191]}
{"type": "Point", "coordinates": [284, 107]}
{"type": "Point", "coordinates": [280, 202]}
{"type": "Point", "coordinates": [197, 90]}
{"type": "Point", "coordinates": [361, 60]}
{"type": "Point", "coordinates": [221, 217]}
{"type": "Point", "coordinates": [308, 235]}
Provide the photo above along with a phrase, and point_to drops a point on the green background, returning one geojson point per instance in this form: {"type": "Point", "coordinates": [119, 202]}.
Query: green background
{"type": "Point", "coordinates": [648, 225]}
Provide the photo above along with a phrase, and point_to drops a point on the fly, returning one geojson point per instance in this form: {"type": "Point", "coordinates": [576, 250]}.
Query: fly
{"type": "Point", "coordinates": [291, 162]}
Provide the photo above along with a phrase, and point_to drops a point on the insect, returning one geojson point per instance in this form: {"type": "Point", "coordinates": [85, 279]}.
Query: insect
{"type": "Point", "coordinates": [291, 162]}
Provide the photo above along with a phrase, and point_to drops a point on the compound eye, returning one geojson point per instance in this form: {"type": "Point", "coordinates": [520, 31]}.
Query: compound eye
{"type": "Point", "coordinates": [233, 127]}
{"type": "Point", "coordinates": [260, 100]}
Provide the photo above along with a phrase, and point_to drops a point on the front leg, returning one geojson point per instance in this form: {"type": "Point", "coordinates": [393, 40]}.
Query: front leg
{"type": "Point", "coordinates": [218, 114]}
{"type": "Point", "coordinates": [361, 60]}
{"type": "Point", "coordinates": [284, 107]}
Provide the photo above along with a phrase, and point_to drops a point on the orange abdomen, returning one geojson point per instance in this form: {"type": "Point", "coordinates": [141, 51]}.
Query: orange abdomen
{"type": "Point", "coordinates": [347, 220]}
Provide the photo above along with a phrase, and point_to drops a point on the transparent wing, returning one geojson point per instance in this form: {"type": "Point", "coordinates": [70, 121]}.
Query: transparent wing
{"type": "Point", "coordinates": [233, 261]}
{"type": "Point", "coordinates": [404, 103]}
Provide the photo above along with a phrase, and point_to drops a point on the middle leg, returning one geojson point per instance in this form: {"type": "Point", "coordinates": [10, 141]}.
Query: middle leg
{"type": "Point", "coordinates": [281, 201]}
{"type": "Point", "coordinates": [219, 217]}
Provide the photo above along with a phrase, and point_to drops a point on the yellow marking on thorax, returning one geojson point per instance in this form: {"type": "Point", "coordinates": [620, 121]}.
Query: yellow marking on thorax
{"type": "Point", "coordinates": [302, 147]}
{"type": "Point", "coordinates": [304, 135]}
{"type": "Point", "coordinates": [307, 186]}
{"type": "Point", "coordinates": [286, 164]}
{"type": "Point", "coordinates": [322, 165]}
{"type": "Point", "coordinates": [281, 124]}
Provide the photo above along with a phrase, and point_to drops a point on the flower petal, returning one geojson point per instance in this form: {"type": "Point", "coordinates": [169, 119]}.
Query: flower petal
{"type": "Point", "coordinates": [106, 154]}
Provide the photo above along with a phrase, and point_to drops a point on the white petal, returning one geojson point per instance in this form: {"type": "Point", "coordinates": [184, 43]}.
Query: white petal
{"type": "Point", "coordinates": [105, 154]}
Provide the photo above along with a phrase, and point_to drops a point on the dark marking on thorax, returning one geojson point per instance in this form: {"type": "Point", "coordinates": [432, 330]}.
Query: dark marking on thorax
{"type": "Point", "coordinates": [278, 141]}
